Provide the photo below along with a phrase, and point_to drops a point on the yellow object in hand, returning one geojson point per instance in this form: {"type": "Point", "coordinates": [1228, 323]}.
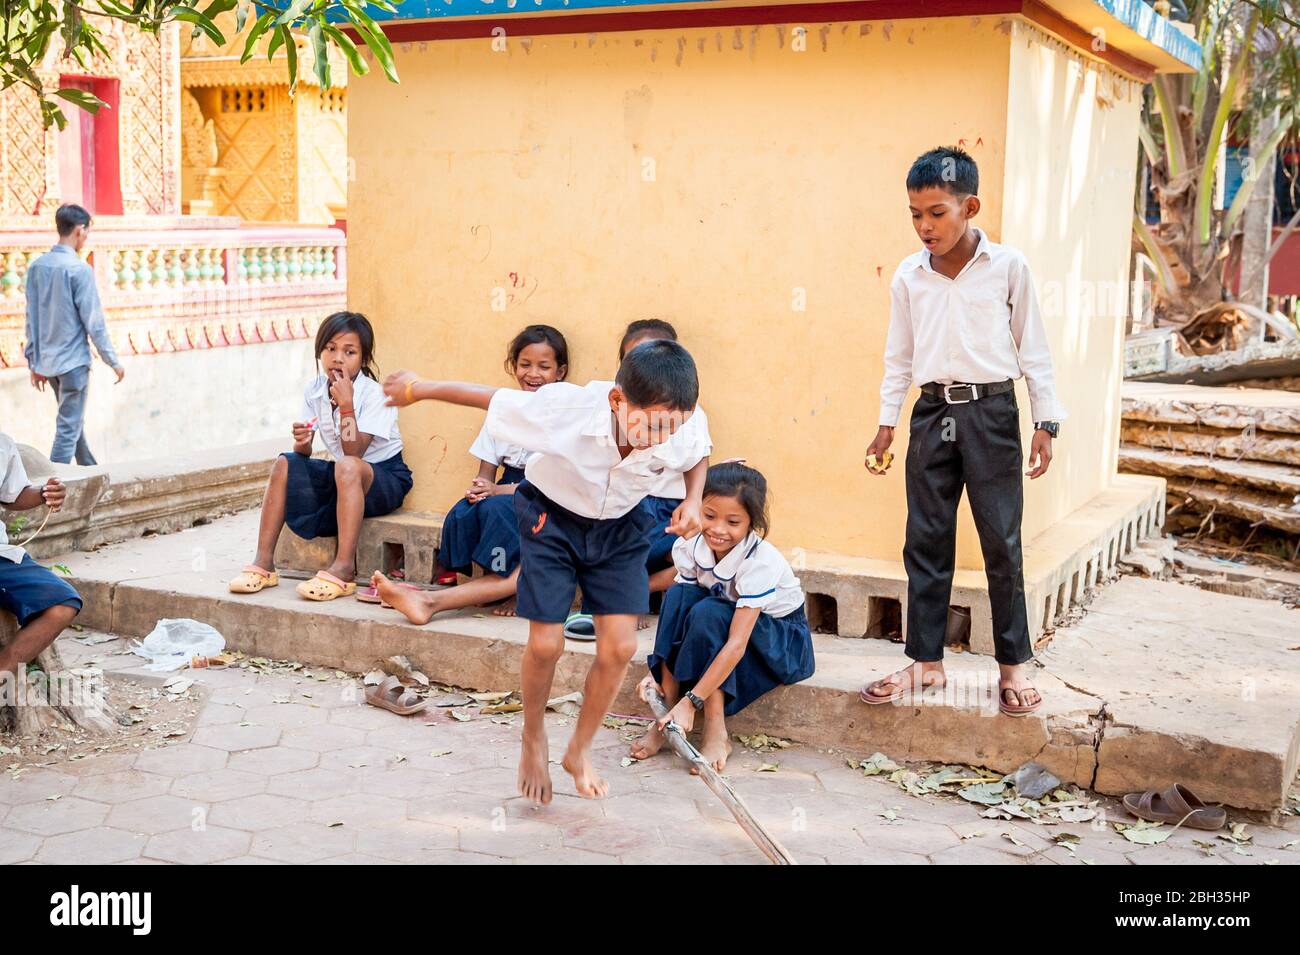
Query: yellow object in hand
{"type": "Point", "coordinates": [882, 463]}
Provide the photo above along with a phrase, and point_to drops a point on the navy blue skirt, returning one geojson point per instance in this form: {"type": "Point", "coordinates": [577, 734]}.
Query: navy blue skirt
{"type": "Point", "coordinates": [693, 628]}
{"type": "Point", "coordinates": [311, 498]}
{"type": "Point", "coordinates": [485, 533]}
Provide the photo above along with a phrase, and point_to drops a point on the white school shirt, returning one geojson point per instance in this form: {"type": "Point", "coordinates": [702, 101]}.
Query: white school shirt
{"type": "Point", "coordinates": [693, 435]}
{"type": "Point", "coordinates": [373, 418]}
{"type": "Point", "coordinates": [576, 461]}
{"type": "Point", "coordinates": [981, 327]}
{"type": "Point", "coordinates": [753, 574]}
{"type": "Point", "coordinates": [499, 453]}
{"type": "Point", "coordinates": [13, 481]}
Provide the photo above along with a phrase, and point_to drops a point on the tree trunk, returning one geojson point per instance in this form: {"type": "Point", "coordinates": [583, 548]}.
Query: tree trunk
{"type": "Point", "coordinates": [55, 698]}
{"type": "Point", "coordinates": [1257, 224]}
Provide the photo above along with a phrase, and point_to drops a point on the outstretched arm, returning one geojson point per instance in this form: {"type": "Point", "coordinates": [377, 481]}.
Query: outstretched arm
{"type": "Point", "coordinates": [742, 627]}
{"type": "Point", "coordinates": [406, 387]}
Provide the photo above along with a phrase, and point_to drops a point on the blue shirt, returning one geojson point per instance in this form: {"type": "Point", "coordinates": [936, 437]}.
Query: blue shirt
{"type": "Point", "coordinates": [62, 310]}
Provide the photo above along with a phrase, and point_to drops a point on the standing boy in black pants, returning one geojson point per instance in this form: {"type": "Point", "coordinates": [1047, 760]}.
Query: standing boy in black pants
{"type": "Point", "coordinates": [964, 323]}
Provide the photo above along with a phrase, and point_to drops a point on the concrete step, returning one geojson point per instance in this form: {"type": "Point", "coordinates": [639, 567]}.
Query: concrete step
{"type": "Point", "coordinates": [1147, 690]}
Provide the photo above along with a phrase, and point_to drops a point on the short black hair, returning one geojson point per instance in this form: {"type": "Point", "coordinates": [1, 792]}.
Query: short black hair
{"type": "Point", "coordinates": [745, 484]}
{"type": "Point", "coordinates": [948, 168]}
{"type": "Point", "coordinates": [341, 323]}
{"type": "Point", "coordinates": [68, 216]}
{"type": "Point", "coordinates": [539, 335]}
{"type": "Point", "coordinates": [655, 328]}
{"type": "Point", "coordinates": [660, 372]}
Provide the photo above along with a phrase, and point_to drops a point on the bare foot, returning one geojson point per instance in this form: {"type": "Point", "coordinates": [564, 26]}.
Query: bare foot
{"type": "Point", "coordinates": [413, 605]}
{"type": "Point", "coordinates": [715, 748]}
{"type": "Point", "coordinates": [506, 608]}
{"type": "Point", "coordinates": [643, 622]}
{"type": "Point", "coordinates": [534, 773]}
{"type": "Point", "coordinates": [589, 785]}
{"type": "Point", "coordinates": [649, 744]}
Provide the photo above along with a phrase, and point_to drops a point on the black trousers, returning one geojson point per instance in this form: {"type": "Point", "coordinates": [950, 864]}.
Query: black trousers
{"type": "Point", "coordinates": [976, 446]}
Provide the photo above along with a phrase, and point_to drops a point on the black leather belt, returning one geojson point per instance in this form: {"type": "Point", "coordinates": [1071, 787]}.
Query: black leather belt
{"type": "Point", "coordinates": [960, 393]}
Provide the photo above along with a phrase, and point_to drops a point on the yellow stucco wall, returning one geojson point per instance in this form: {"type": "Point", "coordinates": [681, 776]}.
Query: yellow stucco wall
{"type": "Point", "coordinates": [704, 176]}
{"type": "Point", "coordinates": [1071, 165]}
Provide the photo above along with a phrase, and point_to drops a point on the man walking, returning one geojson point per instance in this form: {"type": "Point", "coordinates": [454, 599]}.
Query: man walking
{"type": "Point", "coordinates": [62, 311]}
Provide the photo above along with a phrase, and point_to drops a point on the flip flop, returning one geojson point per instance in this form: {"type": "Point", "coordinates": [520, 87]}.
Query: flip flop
{"type": "Point", "coordinates": [392, 696]}
{"type": "Point", "coordinates": [1178, 805]}
{"type": "Point", "coordinates": [900, 689]}
{"type": "Point", "coordinates": [252, 579]}
{"type": "Point", "coordinates": [369, 595]}
{"type": "Point", "coordinates": [580, 626]}
{"type": "Point", "coordinates": [448, 579]}
{"type": "Point", "coordinates": [325, 586]}
{"type": "Point", "coordinates": [1019, 707]}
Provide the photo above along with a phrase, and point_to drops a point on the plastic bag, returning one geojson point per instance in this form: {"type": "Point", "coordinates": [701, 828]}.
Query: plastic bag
{"type": "Point", "coordinates": [173, 643]}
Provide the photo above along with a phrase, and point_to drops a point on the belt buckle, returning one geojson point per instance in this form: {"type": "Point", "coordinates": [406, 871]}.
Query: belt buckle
{"type": "Point", "coordinates": [948, 397]}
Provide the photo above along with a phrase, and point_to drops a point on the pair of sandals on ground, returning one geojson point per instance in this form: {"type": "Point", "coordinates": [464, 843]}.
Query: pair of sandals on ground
{"type": "Point", "coordinates": [323, 586]}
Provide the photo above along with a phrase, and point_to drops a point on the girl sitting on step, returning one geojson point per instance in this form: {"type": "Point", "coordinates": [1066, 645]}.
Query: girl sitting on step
{"type": "Point", "coordinates": [733, 624]}
{"type": "Point", "coordinates": [367, 477]}
{"type": "Point", "coordinates": [481, 529]}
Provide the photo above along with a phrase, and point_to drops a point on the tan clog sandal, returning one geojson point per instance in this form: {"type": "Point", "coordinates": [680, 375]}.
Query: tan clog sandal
{"type": "Point", "coordinates": [325, 586]}
{"type": "Point", "coordinates": [252, 579]}
{"type": "Point", "coordinates": [392, 696]}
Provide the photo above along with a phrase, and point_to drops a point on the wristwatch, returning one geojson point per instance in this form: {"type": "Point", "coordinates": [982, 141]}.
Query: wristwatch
{"type": "Point", "coordinates": [1051, 427]}
{"type": "Point", "coordinates": [695, 700]}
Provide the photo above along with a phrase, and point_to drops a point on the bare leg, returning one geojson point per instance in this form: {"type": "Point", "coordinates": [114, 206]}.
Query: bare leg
{"type": "Point", "coordinates": [419, 606]}
{"type": "Point", "coordinates": [615, 644]}
{"type": "Point", "coordinates": [715, 747]}
{"type": "Point", "coordinates": [272, 521]}
{"type": "Point", "coordinates": [353, 478]}
{"type": "Point", "coordinates": [653, 740]}
{"type": "Point", "coordinates": [30, 640]}
{"type": "Point", "coordinates": [545, 644]}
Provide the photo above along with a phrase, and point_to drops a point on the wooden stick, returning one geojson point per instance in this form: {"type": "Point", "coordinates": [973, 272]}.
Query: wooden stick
{"type": "Point", "coordinates": [776, 853]}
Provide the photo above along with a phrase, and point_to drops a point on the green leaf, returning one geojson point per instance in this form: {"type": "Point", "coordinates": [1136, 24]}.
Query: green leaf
{"type": "Point", "coordinates": [373, 37]}
{"type": "Point", "coordinates": [277, 38]}
{"type": "Point", "coordinates": [295, 10]}
{"type": "Point", "coordinates": [320, 54]}
{"type": "Point", "coordinates": [82, 98]}
{"type": "Point", "coordinates": [291, 54]}
{"type": "Point", "coordinates": [201, 22]}
{"type": "Point", "coordinates": [216, 7]}
{"type": "Point", "coordinates": [259, 27]}
{"type": "Point", "coordinates": [241, 16]}
{"type": "Point", "coordinates": [344, 42]}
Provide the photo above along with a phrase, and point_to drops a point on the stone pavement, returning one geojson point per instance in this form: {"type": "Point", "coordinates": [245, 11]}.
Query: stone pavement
{"type": "Point", "coordinates": [292, 767]}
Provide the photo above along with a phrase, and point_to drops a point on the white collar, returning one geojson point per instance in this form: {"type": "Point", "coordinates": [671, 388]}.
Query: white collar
{"type": "Point", "coordinates": [726, 568]}
{"type": "Point", "coordinates": [982, 247]}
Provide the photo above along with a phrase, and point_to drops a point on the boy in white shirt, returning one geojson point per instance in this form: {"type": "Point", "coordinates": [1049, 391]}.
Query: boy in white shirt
{"type": "Point", "coordinates": [597, 451]}
{"type": "Point", "coordinates": [964, 322]}
{"type": "Point", "coordinates": [43, 602]}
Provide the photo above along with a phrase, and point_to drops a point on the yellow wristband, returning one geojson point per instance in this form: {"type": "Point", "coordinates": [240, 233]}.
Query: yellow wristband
{"type": "Point", "coordinates": [410, 399]}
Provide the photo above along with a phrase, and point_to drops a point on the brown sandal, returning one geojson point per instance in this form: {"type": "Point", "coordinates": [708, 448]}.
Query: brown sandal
{"type": "Point", "coordinates": [1178, 805]}
{"type": "Point", "coordinates": [1017, 705]}
{"type": "Point", "coordinates": [866, 694]}
{"type": "Point", "coordinates": [392, 696]}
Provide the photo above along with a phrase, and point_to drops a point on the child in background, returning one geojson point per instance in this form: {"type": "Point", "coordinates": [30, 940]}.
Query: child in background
{"type": "Point", "coordinates": [43, 602]}
{"type": "Point", "coordinates": [481, 529]}
{"type": "Point", "coordinates": [367, 478]}
{"type": "Point", "coordinates": [666, 498]}
{"type": "Point", "coordinates": [596, 452]}
{"type": "Point", "coordinates": [733, 624]}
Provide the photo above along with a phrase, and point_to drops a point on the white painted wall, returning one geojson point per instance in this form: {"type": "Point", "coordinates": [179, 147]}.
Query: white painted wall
{"type": "Point", "coordinates": [172, 403]}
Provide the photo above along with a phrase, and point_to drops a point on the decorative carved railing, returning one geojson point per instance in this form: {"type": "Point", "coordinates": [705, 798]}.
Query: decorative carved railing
{"type": "Point", "coordinates": [173, 289]}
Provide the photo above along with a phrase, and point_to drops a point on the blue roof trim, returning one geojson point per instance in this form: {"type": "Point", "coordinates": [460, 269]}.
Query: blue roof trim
{"type": "Point", "coordinates": [1154, 28]}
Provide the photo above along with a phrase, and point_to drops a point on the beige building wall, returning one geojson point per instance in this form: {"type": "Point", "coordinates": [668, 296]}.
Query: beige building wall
{"type": "Point", "coordinates": [746, 189]}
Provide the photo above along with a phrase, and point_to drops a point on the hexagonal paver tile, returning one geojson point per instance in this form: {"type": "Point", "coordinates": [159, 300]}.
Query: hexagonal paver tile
{"type": "Point", "coordinates": [610, 837]}
{"type": "Point", "coordinates": [236, 737]}
{"type": "Point", "coordinates": [258, 812]}
{"type": "Point", "coordinates": [316, 784]}
{"type": "Point", "coordinates": [459, 809]}
{"type": "Point", "coordinates": [121, 786]}
{"type": "Point", "coordinates": [180, 760]}
{"type": "Point", "coordinates": [188, 847]}
{"type": "Point", "coordinates": [566, 857]}
{"type": "Point", "coordinates": [304, 842]}
{"type": "Point", "coordinates": [285, 715]}
{"type": "Point", "coordinates": [98, 846]}
{"type": "Point", "coordinates": [17, 846]}
{"type": "Point", "coordinates": [405, 841]}
{"type": "Point", "coordinates": [219, 785]}
{"type": "Point", "coordinates": [323, 739]}
{"type": "Point", "coordinates": [156, 814]}
{"type": "Point", "coordinates": [99, 765]}
{"type": "Point", "coordinates": [359, 810]}
{"type": "Point", "coordinates": [52, 818]}
{"type": "Point", "coordinates": [363, 757]}
{"type": "Point", "coordinates": [271, 762]}
{"type": "Point", "coordinates": [405, 783]}
{"type": "Point", "coordinates": [510, 838]}
{"type": "Point", "coordinates": [220, 714]}
{"type": "Point", "coordinates": [34, 786]}
{"type": "Point", "coordinates": [500, 782]}
{"type": "Point", "coordinates": [361, 717]}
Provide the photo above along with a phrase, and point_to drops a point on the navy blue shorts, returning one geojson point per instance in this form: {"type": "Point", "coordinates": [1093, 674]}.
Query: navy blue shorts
{"type": "Point", "coordinates": [27, 590]}
{"type": "Point", "coordinates": [560, 550]}
{"type": "Point", "coordinates": [311, 497]}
